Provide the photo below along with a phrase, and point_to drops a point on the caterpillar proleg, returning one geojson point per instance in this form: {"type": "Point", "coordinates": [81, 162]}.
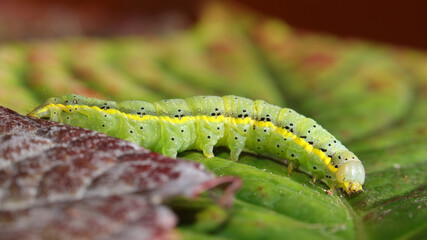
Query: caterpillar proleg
{"type": "Point", "coordinates": [204, 122]}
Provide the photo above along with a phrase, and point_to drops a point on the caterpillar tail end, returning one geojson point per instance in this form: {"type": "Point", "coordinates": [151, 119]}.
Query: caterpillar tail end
{"type": "Point", "coordinates": [33, 113]}
{"type": "Point", "coordinates": [43, 109]}
{"type": "Point", "coordinates": [38, 112]}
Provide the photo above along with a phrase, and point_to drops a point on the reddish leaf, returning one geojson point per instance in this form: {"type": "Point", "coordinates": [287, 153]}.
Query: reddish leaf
{"type": "Point", "coordinates": [59, 181]}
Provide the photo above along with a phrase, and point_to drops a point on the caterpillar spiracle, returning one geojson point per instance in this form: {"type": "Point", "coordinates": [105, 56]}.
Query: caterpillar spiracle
{"type": "Point", "coordinates": [203, 122]}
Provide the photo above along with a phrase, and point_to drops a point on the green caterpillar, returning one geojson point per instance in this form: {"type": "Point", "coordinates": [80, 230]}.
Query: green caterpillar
{"type": "Point", "coordinates": [203, 122]}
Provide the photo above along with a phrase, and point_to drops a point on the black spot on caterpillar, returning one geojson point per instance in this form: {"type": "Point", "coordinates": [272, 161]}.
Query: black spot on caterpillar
{"type": "Point", "coordinates": [203, 122]}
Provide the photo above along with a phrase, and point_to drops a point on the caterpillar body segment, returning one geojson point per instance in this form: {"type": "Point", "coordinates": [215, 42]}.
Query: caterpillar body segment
{"type": "Point", "coordinates": [204, 122]}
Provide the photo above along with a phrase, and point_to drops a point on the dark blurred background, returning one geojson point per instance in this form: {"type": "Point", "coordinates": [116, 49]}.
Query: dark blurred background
{"type": "Point", "coordinates": [396, 22]}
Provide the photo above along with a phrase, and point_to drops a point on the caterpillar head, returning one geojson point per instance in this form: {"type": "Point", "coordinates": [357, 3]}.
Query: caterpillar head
{"type": "Point", "coordinates": [351, 176]}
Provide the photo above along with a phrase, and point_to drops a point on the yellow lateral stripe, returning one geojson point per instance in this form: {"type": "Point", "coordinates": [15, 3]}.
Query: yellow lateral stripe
{"type": "Point", "coordinates": [308, 147]}
{"type": "Point", "coordinates": [44, 109]}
